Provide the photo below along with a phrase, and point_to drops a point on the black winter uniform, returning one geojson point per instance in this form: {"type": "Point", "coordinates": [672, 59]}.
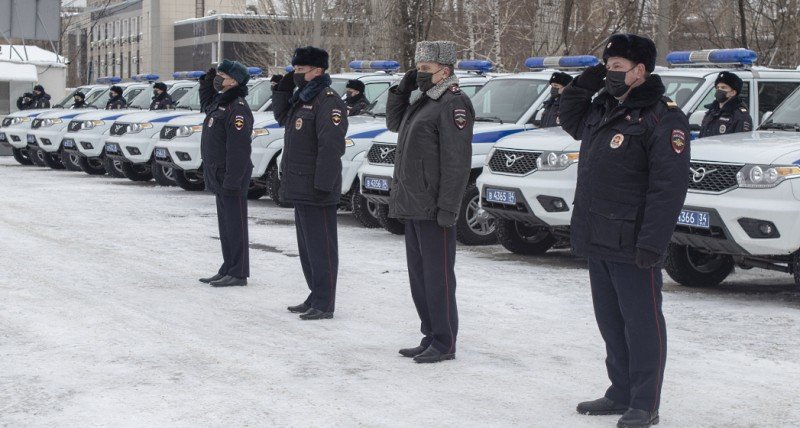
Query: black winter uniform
{"type": "Point", "coordinates": [225, 148]}
{"type": "Point", "coordinates": [79, 104]}
{"type": "Point", "coordinates": [315, 119]}
{"type": "Point", "coordinates": [162, 101]}
{"type": "Point", "coordinates": [116, 103]}
{"type": "Point", "coordinates": [356, 105]}
{"type": "Point", "coordinates": [23, 104]}
{"type": "Point", "coordinates": [42, 101]}
{"type": "Point", "coordinates": [431, 171]}
{"type": "Point", "coordinates": [550, 114]}
{"type": "Point", "coordinates": [632, 180]}
{"type": "Point", "coordinates": [732, 117]}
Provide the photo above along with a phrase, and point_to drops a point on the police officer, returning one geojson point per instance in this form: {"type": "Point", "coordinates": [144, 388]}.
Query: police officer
{"type": "Point", "coordinates": [316, 123]}
{"type": "Point", "coordinates": [25, 102]}
{"type": "Point", "coordinates": [355, 100]}
{"type": "Point", "coordinates": [728, 112]}
{"type": "Point", "coordinates": [632, 180]}
{"type": "Point", "coordinates": [41, 99]}
{"type": "Point", "coordinates": [79, 100]}
{"type": "Point", "coordinates": [115, 99]}
{"type": "Point", "coordinates": [558, 81]}
{"type": "Point", "coordinates": [225, 148]}
{"type": "Point", "coordinates": [432, 167]}
{"type": "Point", "coordinates": [161, 99]}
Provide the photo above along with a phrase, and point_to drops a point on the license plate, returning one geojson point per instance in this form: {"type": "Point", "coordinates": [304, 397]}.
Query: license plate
{"type": "Point", "coordinates": [375, 183]}
{"type": "Point", "coordinates": [161, 153]}
{"type": "Point", "coordinates": [694, 219]}
{"type": "Point", "coordinates": [2, 136]}
{"type": "Point", "coordinates": [507, 197]}
{"type": "Point", "coordinates": [69, 144]}
{"type": "Point", "coordinates": [112, 148]}
{"type": "Point", "coordinates": [31, 139]}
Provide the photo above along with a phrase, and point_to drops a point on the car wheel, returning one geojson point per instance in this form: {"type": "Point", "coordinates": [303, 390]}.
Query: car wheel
{"type": "Point", "coordinates": [256, 191]}
{"type": "Point", "coordinates": [71, 161]}
{"type": "Point", "coordinates": [22, 156]}
{"type": "Point", "coordinates": [393, 225]}
{"type": "Point", "coordinates": [190, 180]}
{"type": "Point", "coordinates": [137, 171]}
{"type": "Point", "coordinates": [52, 160]}
{"type": "Point", "coordinates": [164, 175]}
{"type": "Point", "coordinates": [691, 267]}
{"type": "Point", "coordinates": [475, 226]}
{"type": "Point", "coordinates": [92, 166]}
{"type": "Point", "coordinates": [365, 211]}
{"type": "Point", "coordinates": [113, 167]}
{"type": "Point", "coordinates": [521, 238]}
{"type": "Point", "coordinates": [274, 187]}
{"type": "Point", "coordinates": [37, 156]}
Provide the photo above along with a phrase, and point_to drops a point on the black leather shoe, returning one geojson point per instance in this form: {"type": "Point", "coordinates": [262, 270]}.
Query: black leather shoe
{"type": "Point", "coordinates": [413, 352]}
{"type": "Point", "coordinates": [315, 314]}
{"type": "Point", "coordinates": [635, 418]}
{"type": "Point", "coordinates": [299, 309]}
{"type": "Point", "coordinates": [432, 355]}
{"type": "Point", "coordinates": [216, 277]}
{"type": "Point", "coordinates": [229, 281]}
{"type": "Point", "coordinates": [602, 406]}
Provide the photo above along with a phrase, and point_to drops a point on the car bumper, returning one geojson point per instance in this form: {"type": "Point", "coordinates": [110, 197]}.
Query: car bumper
{"type": "Point", "coordinates": [87, 144]}
{"type": "Point", "coordinates": [375, 171]}
{"type": "Point", "coordinates": [16, 138]}
{"type": "Point", "coordinates": [183, 155]}
{"type": "Point", "coordinates": [137, 150]}
{"type": "Point", "coordinates": [48, 140]}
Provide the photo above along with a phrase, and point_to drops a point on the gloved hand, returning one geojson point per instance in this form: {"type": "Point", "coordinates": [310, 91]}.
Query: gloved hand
{"type": "Point", "coordinates": [592, 78]}
{"type": "Point", "coordinates": [445, 219]}
{"type": "Point", "coordinates": [645, 259]}
{"type": "Point", "coordinates": [210, 75]}
{"type": "Point", "coordinates": [409, 82]}
{"type": "Point", "coordinates": [287, 83]}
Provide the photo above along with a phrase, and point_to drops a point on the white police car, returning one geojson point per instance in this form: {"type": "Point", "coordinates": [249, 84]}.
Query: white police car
{"type": "Point", "coordinates": [15, 126]}
{"type": "Point", "coordinates": [529, 179]}
{"type": "Point", "coordinates": [504, 106]}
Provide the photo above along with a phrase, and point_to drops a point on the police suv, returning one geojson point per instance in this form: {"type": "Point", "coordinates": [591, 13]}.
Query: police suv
{"type": "Point", "coordinates": [529, 179]}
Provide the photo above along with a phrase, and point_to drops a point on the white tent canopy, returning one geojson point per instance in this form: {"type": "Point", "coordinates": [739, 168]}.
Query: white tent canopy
{"type": "Point", "coordinates": [33, 54]}
{"type": "Point", "coordinates": [17, 72]}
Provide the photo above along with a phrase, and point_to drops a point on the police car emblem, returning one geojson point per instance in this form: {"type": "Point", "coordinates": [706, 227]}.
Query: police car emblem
{"type": "Point", "coordinates": [460, 118]}
{"type": "Point", "coordinates": [336, 117]}
{"type": "Point", "coordinates": [616, 141]}
{"type": "Point", "coordinates": [678, 141]}
{"type": "Point", "coordinates": [298, 123]}
{"type": "Point", "coordinates": [210, 122]}
{"type": "Point", "coordinates": [722, 129]}
{"type": "Point", "coordinates": [238, 122]}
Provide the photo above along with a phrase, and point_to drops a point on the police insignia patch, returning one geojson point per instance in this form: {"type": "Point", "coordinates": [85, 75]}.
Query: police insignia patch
{"type": "Point", "coordinates": [210, 122]}
{"type": "Point", "coordinates": [616, 141]}
{"type": "Point", "coordinates": [336, 116]}
{"type": "Point", "coordinates": [722, 129]}
{"type": "Point", "coordinates": [298, 123]}
{"type": "Point", "coordinates": [678, 141]}
{"type": "Point", "coordinates": [238, 122]}
{"type": "Point", "coordinates": [460, 118]}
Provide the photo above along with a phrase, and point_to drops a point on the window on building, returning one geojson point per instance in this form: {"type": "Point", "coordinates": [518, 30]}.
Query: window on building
{"type": "Point", "coordinates": [125, 32]}
{"type": "Point", "coordinates": [199, 8]}
{"type": "Point", "coordinates": [138, 62]}
{"type": "Point", "coordinates": [214, 58]}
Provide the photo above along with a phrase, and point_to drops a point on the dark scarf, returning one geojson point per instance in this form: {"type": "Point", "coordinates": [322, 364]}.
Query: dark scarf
{"type": "Point", "coordinates": [227, 97]}
{"type": "Point", "coordinates": [312, 89]}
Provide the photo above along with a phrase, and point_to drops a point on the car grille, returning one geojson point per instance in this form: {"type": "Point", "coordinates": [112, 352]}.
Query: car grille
{"type": "Point", "coordinates": [713, 177]}
{"type": "Point", "coordinates": [119, 128]}
{"type": "Point", "coordinates": [7, 121]}
{"type": "Point", "coordinates": [36, 124]}
{"type": "Point", "coordinates": [168, 132]}
{"type": "Point", "coordinates": [514, 162]}
{"type": "Point", "coordinates": [75, 125]}
{"type": "Point", "coordinates": [382, 154]}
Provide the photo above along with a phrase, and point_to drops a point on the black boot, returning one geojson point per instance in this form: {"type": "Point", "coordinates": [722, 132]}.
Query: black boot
{"type": "Point", "coordinates": [299, 309]}
{"type": "Point", "coordinates": [602, 406]}
{"type": "Point", "coordinates": [413, 352]}
{"type": "Point", "coordinates": [229, 281]}
{"type": "Point", "coordinates": [635, 418]}
{"type": "Point", "coordinates": [432, 355]}
{"type": "Point", "coordinates": [216, 277]}
{"type": "Point", "coordinates": [315, 314]}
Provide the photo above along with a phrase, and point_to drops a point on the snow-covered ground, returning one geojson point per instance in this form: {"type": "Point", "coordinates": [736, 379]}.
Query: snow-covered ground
{"type": "Point", "coordinates": [103, 322]}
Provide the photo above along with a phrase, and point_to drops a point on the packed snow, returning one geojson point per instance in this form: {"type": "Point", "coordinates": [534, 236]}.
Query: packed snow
{"type": "Point", "coordinates": [103, 322]}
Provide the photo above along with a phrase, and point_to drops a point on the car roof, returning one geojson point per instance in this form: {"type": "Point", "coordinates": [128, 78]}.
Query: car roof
{"type": "Point", "coordinates": [704, 72]}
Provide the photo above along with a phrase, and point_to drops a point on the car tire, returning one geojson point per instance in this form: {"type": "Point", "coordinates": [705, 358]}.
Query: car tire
{"type": "Point", "coordinates": [393, 225]}
{"type": "Point", "coordinates": [191, 181]}
{"type": "Point", "coordinates": [37, 156]}
{"type": "Point", "coordinates": [113, 167]}
{"type": "Point", "coordinates": [163, 175]}
{"type": "Point", "coordinates": [274, 186]}
{"type": "Point", "coordinates": [521, 238]}
{"type": "Point", "coordinates": [52, 160]}
{"type": "Point", "coordinates": [796, 270]}
{"type": "Point", "coordinates": [22, 156]}
{"type": "Point", "coordinates": [474, 225]}
{"type": "Point", "coordinates": [92, 166]}
{"type": "Point", "coordinates": [365, 211]}
{"type": "Point", "coordinates": [256, 191]}
{"type": "Point", "coordinates": [693, 268]}
{"type": "Point", "coordinates": [72, 162]}
{"type": "Point", "coordinates": [137, 171]}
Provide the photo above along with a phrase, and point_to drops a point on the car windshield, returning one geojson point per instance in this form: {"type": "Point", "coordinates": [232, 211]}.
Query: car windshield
{"type": "Point", "coordinates": [190, 101]}
{"type": "Point", "coordinates": [258, 94]}
{"type": "Point", "coordinates": [786, 115]}
{"type": "Point", "coordinates": [378, 107]}
{"type": "Point", "coordinates": [97, 99]}
{"type": "Point", "coordinates": [680, 88]}
{"type": "Point", "coordinates": [68, 100]}
{"type": "Point", "coordinates": [339, 85]}
{"type": "Point", "coordinates": [142, 101]}
{"type": "Point", "coordinates": [506, 100]}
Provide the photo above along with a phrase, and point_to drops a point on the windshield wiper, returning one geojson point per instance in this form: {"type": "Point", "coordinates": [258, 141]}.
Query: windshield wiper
{"type": "Point", "coordinates": [488, 119]}
{"type": "Point", "coordinates": [782, 126]}
{"type": "Point", "coordinates": [183, 107]}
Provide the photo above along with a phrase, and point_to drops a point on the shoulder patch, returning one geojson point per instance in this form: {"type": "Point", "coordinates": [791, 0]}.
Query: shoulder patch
{"type": "Point", "coordinates": [678, 140]}
{"type": "Point", "coordinates": [238, 122]}
{"type": "Point", "coordinates": [460, 118]}
{"type": "Point", "coordinates": [336, 116]}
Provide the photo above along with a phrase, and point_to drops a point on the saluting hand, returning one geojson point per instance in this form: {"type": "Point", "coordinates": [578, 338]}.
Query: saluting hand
{"type": "Point", "coordinates": [592, 78]}
{"type": "Point", "coordinates": [409, 82]}
{"type": "Point", "coordinates": [287, 83]}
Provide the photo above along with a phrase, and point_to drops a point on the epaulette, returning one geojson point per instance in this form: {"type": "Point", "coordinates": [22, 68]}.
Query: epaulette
{"type": "Point", "coordinates": [670, 104]}
{"type": "Point", "coordinates": [743, 109]}
{"type": "Point", "coordinates": [455, 89]}
{"type": "Point", "coordinates": [330, 92]}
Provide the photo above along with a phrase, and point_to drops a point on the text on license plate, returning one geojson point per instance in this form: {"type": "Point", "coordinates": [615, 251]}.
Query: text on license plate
{"type": "Point", "coordinates": [161, 153]}
{"type": "Point", "coordinates": [69, 143]}
{"type": "Point", "coordinates": [694, 219]}
{"type": "Point", "coordinates": [111, 148]}
{"type": "Point", "coordinates": [507, 197]}
{"type": "Point", "coordinates": [31, 139]}
{"type": "Point", "coordinates": [376, 183]}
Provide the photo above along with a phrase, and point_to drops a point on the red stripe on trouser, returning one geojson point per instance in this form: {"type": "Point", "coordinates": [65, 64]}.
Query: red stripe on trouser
{"type": "Point", "coordinates": [330, 262]}
{"type": "Point", "coordinates": [244, 243]}
{"type": "Point", "coordinates": [660, 341]}
{"type": "Point", "coordinates": [447, 292]}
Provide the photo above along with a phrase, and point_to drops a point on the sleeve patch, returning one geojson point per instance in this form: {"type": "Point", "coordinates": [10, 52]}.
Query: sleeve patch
{"type": "Point", "coordinates": [238, 122]}
{"type": "Point", "coordinates": [460, 118]}
{"type": "Point", "coordinates": [678, 141]}
{"type": "Point", "coordinates": [336, 116]}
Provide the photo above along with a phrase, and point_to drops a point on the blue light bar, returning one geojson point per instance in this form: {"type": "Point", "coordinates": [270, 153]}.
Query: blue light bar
{"type": "Point", "coordinates": [481, 66]}
{"type": "Point", "coordinates": [382, 65]}
{"type": "Point", "coordinates": [108, 80]}
{"type": "Point", "coordinates": [254, 71]}
{"type": "Point", "coordinates": [577, 61]}
{"type": "Point", "coordinates": [145, 77]}
{"type": "Point", "coordinates": [188, 74]}
{"type": "Point", "coordinates": [713, 56]}
{"type": "Point", "coordinates": [288, 69]}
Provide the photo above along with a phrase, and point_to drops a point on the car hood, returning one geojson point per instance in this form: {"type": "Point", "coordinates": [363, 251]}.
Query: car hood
{"type": "Point", "coordinates": [29, 113]}
{"type": "Point", "coordinates": [189, 119]}
{"type": "Point", "coordinates": [482, 132]}
{"type": "Point", "coordinates": [759, 147]}
{"type": "Point", "coordinates": [153, 116]}
{"type": "Point", "coordinates": [94, 114]}
{"type": "Point", "coordinates": [546, 139]}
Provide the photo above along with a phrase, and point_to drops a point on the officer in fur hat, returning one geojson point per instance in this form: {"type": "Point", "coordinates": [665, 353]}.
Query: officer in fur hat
{"type": "Point", "coordinates": [728, 112]}
{"type": "Point", "coordinates": [315, 118]}
{"type": "Point", "coordinates": [355, 100]}
{"type": "Point", "coordinates": [41, 99]}
{"type": "Point", "coordinates": [161, 99]}
{"type": "Point", "coordinates": [632, 180]}
{"type": "Point", "coordinates": [79, 100]}
{"type": "Point", "coordinates": [25, 102]}
{"type": "Point", "coordinates": [431, 171]}
{"type": "Point", "coordinates": [550, 115]}
{"type": "Point", "coordinates": [225, 148]}
{"type": "Point", "coordinates": [115, 99]}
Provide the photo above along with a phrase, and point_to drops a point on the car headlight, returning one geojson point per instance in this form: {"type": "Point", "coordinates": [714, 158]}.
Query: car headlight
{"type": "Point", "coordinates": [765, 176]}
{"type": "Point", "coordinates": [50, 122]}
{"type": "Point", "coordinates": [138, 127]}
{"type": "Point", "coordinates": [349, 143]}
{"type": "Point", "coordinates": [556, 161]}
{"type": "Point", "coordinates": [89, 124]}
{"type": "Point", "coordinates": [18, 120]}
{"type": "Point", "coordinates": [258, 132]}
{"type": "Point", "coordinates": [186, 130]}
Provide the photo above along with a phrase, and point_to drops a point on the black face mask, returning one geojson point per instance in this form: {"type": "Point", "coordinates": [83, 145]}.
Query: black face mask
{"type": "Point", "coordinates": [424, 81]}
{"type": "Point", "coordinates": [300, 80]}
{"type": "Point", "coordinates": [554, 92]}
{"type": "Point", "coordinates": [615, 83]}
{"type": "Point", "coordinates": [155, 93]}
{"type": "Point", "coordinates": [218, 83]}
{"type": "Point", "coordinates": [721, 96]}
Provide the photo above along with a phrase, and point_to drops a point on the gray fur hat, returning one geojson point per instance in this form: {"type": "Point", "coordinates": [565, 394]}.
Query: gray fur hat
{"type": "Point", "coordinates": [440, 51]}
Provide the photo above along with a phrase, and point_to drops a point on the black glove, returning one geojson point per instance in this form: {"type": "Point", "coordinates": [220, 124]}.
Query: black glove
{"type": "Point", "coordinates": [408, 83]}
{"type": "Point", "coordinates": [287, 83]}
{"type": "Point", "coordinates": [210, 75]}
{"type": "Point", "coordinates": [446, 219]}
{"type": "Point", "coordinates": [592, 78]}
{"type": "Point", "coordinates": [645, 259]}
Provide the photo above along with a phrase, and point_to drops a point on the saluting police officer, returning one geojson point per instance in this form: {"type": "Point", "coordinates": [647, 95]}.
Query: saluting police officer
{"type": "Point", "coordinates": [225, 148]}
{"type": "Point", "coordinates": [728, 112]}
{"type": "Point", "coordinates": [632, 180]}
{"type": "Point", "coordinates": [558, 81]}
{"type": "Point", "coordinates": [25, 102]}
{"type": "Point", "coordinates": [355, 100]}
{"type": "Point", "coordinates": [316, 123]}
{"type": "Point", "coordinates": [115, 99]}
{"type": "Point", "coordinates": [161, 99]}
{"type": "Point", "coordinates": [432, 167]}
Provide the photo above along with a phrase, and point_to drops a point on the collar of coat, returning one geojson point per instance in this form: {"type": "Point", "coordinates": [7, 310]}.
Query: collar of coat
{"type": "Point", "coordinates": [437, 91]}
{"type": "Point", "coordinates": [312, 89]}
{"type": "Point", "coordinates": [231, 94]}
{"type": "Point", "coordinates": [646, 94]}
